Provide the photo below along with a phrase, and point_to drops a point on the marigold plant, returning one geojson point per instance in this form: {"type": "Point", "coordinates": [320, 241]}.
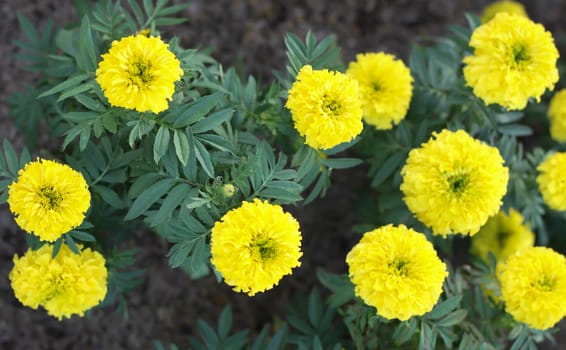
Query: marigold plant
{"type": "Point", "coordinates": [506, 6]}
{"type": "Point", "coordinates": [147, 136]}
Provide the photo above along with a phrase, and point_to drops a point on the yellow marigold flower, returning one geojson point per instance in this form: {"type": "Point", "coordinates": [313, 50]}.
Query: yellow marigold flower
{"type": "Point", "coordinates": [48, 199]}
{"type": "Point", "coordinates": [255, 245]}
{"type": "Point", "coordinates": [139, 72]}
{"type": "Point", "coordinates": [396, 270]}
{"type": "Point", "coordinates": [325, 107]}
{"type": "Point", "coordinates": [506, 6]}
{"type": "Point", "coordinates": [385, 88]}
{"type": "Point", "coordinates": [533, 286]}
{"type": "Point", "coordinates": [453, 183]}
{"type": "Point", "coordinates": [551, 180]}
{"type": "Point", "coordinates": [502, 235]}
{"type": "Point", "coordinates": [67, 285]}
{"type": "Point", "coordinates": [557, 116]}
{"type": "Point", "coordinates": [514, 59]}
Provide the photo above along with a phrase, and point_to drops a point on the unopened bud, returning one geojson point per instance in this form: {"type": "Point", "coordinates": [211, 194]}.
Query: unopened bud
{"type": "Point", "coordinates": [228, 190]}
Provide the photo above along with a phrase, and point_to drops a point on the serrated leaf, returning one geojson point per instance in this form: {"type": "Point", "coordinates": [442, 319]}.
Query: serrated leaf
{"type": "Point", "coordinates": [82, 236]}
{"type": "Point", "coordinates": [197, 110]}
{"type": "Point", "coordinates": [453, 318]}
{"type": "Point", "coordinates": [65, 85]}
{"type": "Point", "coordinates": [175, 197]}
{"type": "Point", "coordinates": [161, 143]}
{"type": "Point", "coordinates": [515, 130]}
{"type": "Point", "coordinates": [71, 243]}
{"type": "Point", "coordinates": [443, 308]}
{"type": "Point", "coordinates": [212, 121]}
{"type": "Point", "coordinates": [181, 144]}
{"type": "Point", "coordinates": [11, 158]}
{"type": "Point", "coordinates": [342, 163]}
{"type": "Point", "coordinates": [148, 197]}
{"type": "Point", "coordinates": [204, 158]}
{"type": "Point", "coordinates": [388, 167]}
{"type": "Point", "coordinates": [225, 322]}
{"type": "Point", "coordinates": [109, 196]}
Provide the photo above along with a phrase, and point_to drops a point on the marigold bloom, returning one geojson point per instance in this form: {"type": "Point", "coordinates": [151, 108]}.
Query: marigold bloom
{"type": "Point", "coordinates": [66, 285]}
{"type": "Point", "coordinates": [453, 183]}
{"type": "Point", "coordinates": [139, 72]}
{"type": "Point", "coordinates": [506, 6]}
{"type": "Point", "coordinates": [533, 286]}
{"type": "Point", "coordinates": [557, 116]}
{"type": "Point", "coordinates": [255, 245]}
{"type": "Point", "coordinates": [48, 199]}
{"type": "Point", "coordinates": [325, 107]}
{"type": "Point", "coordinates": [502, 235]}
{"type": "Point", "coordinates": [514, 59]}
{"type": "Point", "coordinates": [551, 180]}
{"type": "Point", "coordinates": [396, 270]}
{"type": "Point", "coordinates": [385, 88]}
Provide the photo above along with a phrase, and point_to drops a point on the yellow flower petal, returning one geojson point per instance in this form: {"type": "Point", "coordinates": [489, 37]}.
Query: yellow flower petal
{"type": "Point", "coordinates": [139, 72]}
{"type": "Point", "coordinates": [396, 270]}
{"type": "Point", "coordinates": [255, 245]}
{"type": "Point", "coordinates": [453, 183]}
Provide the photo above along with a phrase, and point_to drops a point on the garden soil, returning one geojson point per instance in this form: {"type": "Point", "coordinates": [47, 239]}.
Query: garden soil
{"type": "Point", "coordinates": [248, 34]}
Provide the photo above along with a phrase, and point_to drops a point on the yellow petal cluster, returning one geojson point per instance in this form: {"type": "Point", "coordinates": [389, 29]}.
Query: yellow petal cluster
{"type": "Point", "coordinates": [514, 59]}
{"type": "Point", "coordinates": [255, 245]}
{"type": "Point", "coordinates": [139, 72]}
{"type": "Point", "coordinates": [385, 88]}
{"type": "Point", "coordinates": [533, 286]}
{"type": "Point", "coordinates": [396, 270]}
{"type": "Point", "coordinates": [453, 183]}
{"type": "Point", "coordinates": [48, 199]}
{"type": "Point", "coordinates": [325, 107]}
{"type": "Point", "coordinates": [552, 180]}
{"type": "Point", "coordinates": [502, 235]}
{"type": "Point", "coordinates": [557, 116]}
{"type": "Point", "coordinates": [66, 285]}
{"type": "Point", "coordinates": [506, 6]}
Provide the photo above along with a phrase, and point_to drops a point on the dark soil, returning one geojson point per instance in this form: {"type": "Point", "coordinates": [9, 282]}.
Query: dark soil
{"type": "Point", "coordinates": [248, 34]}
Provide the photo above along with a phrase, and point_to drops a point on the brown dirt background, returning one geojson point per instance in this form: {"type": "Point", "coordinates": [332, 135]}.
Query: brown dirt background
{"type": "Point", "coordinates": [249, 34]}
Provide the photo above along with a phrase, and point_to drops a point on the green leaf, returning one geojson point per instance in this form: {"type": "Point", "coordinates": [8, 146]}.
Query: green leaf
{"type": "Point", "coordinates": [225, 322]}
{"type": "Point", "coordinates": [388, 167]}
{"type": "Point", "coordinates": [213, 120]}
{"type": "Point", "coordinates": [109, 196]}
{"type": "Point", "coordinates": [278, 339]}
{"type": "Point", "coordinates": [11, 158]}
{"type": "Point", "coordinates": [148, 197]}
{"type": "Point", "coordinates": [57, 247]}
{"type": "Point", "coordinates": [453, 318]}
{"type": "Point", "coordinates": [342, 163]}
{"type": "Point", "coordinates": [204, 158]}
{"type": "Point", "coordinates": [65, 85]}
{"type": "Point", "coordinates": [443, 308]}
{"type": "Point", "coordinates": [181, 144]}
{"type": "Point", "coordinates": [71, 243]}
{"type": "Point", "coordinates": [315, 308]}
{"type": "Point", "coordinates": [515, 130]}
{"type": "Point", "coordinates": [161, 143]}
{"type": "Point", "coordinates": [197, 110]}
{"type": "Point", "coordinates": [175, 197]}
{"type": "Point", "coordinates": [86, 46]}
{"type": "Point", "coordinates": [82, 236]}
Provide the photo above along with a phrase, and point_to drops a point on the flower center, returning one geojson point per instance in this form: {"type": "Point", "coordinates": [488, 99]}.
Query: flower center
{"type": "Point", "coordinates": [400, 266]}
{"type": "Point", "coordinates": [458, 183]}
{"type": "Point", "coordinates": [520, 54]}
{"type": "Point", "coordinates": [502, 238]}
{"type": "Point", "coordinates": [140, 73]}
{"type": "Point", "coordinates": [263, 248]}
{"type": "Point", "coordinates": [331, 107]}
{"type": "Point", "coordinates": [375, 86]}
{"type": "Point", "coordinates": [50, 198]}
{"type": "Point", "coordinates": [545, 284]}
